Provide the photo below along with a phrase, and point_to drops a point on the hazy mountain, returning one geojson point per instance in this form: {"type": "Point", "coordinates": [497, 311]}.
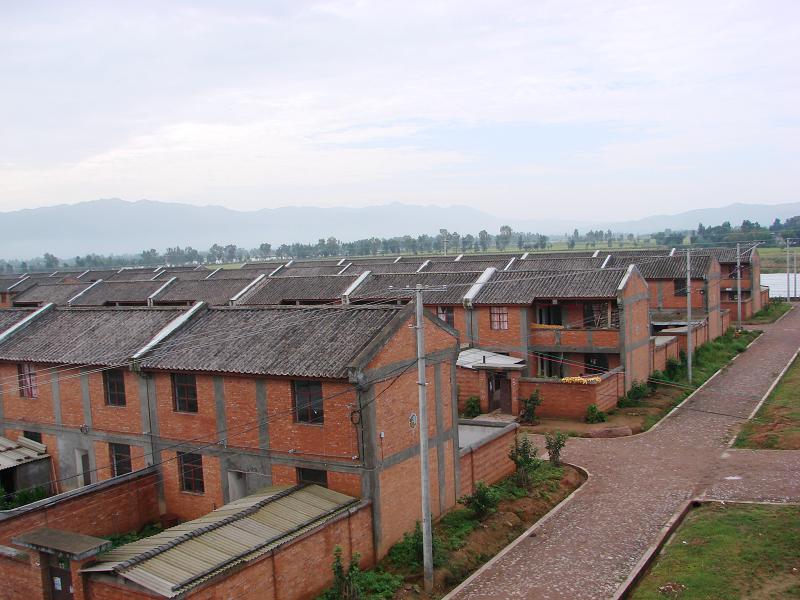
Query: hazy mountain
{"type": "Point", "coordinates": [117, 226]}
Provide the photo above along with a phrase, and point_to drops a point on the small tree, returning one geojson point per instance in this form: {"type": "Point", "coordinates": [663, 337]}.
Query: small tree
{"type": "Point", "coordinates": [555, 442]}
{"type": "Point", "coordinates": [345, 582]}
{"type": "Point", "coordinates": [528, 412]}
{"type": "Point", "coordinates": [483, 501]}
{"type": "Point", "coordinates": [595, 415]}
{"type": "Point", "coordinates": [524, 456]}
{"type": "Point", "coordinates": [472, 407]}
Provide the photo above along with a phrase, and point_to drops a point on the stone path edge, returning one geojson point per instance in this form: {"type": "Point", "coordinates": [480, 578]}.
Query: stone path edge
{"type": "Point", "coordinates": [525, 534]}
{"type": "Point", "coordinates": [672, 525]}
{"type": "Point", "coordinates": [764, 398]}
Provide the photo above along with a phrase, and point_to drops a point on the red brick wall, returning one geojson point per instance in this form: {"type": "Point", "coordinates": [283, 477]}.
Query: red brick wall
{"type": "Point", "coordinates": [570, 400]}
{"type": "Point", "coordinates": [124, 507]}
{"type": "Point", "coordinates": [188, 505]}
{"type": "Point", "coordinates": [200, 426]}
{"type": "Point", "coordinates": [284, 575]}
{"type": "Point", "coordinates": [121, 419]}
{"type": "Point", "coordinates": [488, 463]}
{"type": "Point", "coordinates": [661, 354]}
{"type": "Point", "coordinates": [32, 410]}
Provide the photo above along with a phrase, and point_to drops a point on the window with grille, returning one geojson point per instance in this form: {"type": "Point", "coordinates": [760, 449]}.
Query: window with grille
{"type": "Point", "coordinates": [445, 313]}
{"type": "Point", "coordinates": [308, 402]}
{"type": "Point", "coordinates": [120, 459]}
{"type": "Point", "coordinates": [184, 393]}
{"type": "Point", "coordinates": [596, 315]}
{"type": "Point", "coordinates": [498, 317]}
{"type": "Point", "coordinates": [680, 287]}
{"type": "Point", "coordinates": [191, 472]}
{"type": "Point", "coordinates": [114, 387]}
{"type": "Point", "coordinates": [312, 476]}
{"type": "Point", "coordinates": [26, 375]}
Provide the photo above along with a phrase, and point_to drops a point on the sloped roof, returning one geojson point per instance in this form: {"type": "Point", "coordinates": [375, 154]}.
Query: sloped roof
{"type": "Point", "coordinates": [666, 267]}
{"type": "Point", "coordinates": [95, 274]}
{"type": "Point", "coordinates": [475, 358]}
{"type": "Point", "coordinates": [194, 274]}
{"type": "Point", "coordinates": [13, 454]}
{"type": "Point", "coordinates": [572, 263]}
{"type": "Point", "coordinates": [211, 291]}
{"type": "Point", "coordinates": [467, 265]}
{"type": "Point", "coordinates": [108, 293]}
{"type": "Point", "coordinates": [132, 275]}
{"type": "Point", "coordinates": [400, 286]}
{"type": "Point", "coordinates": [297, 269]}
{"type": "Point", "coordinates": [57, 293]}
{"type": "Point", "coordinates": [93, 336]}
{"type": "Point", "coordinates": [511, 287]}
{"type": "Point", "coordinates": [726, 255]}
{"type": "Point", "coordinates": [233, 534]}
{"type": "Point", "coordinates": [319, 341]}
{"type": "Point", "coordinates": [241, 273]}
{"type": "Point", "coordinates": [11, 316]}
{"type": "Point", "coordinates": [382, 267]}
{"type": "Point", "coordinates": [277, 290]}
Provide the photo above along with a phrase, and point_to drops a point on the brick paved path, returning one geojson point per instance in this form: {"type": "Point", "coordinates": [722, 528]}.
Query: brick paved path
{"type": "Point", "coordinates": [636, 484]}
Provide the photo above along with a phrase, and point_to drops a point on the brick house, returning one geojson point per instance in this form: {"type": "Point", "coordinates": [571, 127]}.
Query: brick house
{"type": "Point", "coordinates": [229, 400]}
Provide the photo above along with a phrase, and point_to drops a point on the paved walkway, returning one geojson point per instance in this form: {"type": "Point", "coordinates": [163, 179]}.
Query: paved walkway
{"type": "Point", "coordinates": [638, 483]}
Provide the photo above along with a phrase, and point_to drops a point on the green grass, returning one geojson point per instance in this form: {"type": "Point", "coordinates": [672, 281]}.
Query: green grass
{"type": "Point", "coordinates": [21, 498]}
{"type": "Point", "coordinates": [773, 311]}
{"type": "Point", "coordinates": [121, 539]}
{"type": "Point", "coordinates": [777, 423]}
{"type": "Point", "coordinates": [708, 359]}
{"type": "Point", "coordinates": [727, 552]}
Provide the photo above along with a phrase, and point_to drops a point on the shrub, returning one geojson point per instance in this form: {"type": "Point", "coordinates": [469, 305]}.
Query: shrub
{"type": "Point", "coordinates": [595, 415]}
{"type": "Point", "coordinates": [529, 406]}
{"type": "Point", "coordinates": [12, 500]}
{"type": "Point", "coordinates": [407, 553]}
{"type": "Point", "coordinates": [523, 455]}
{"type": "Point", "coordinates": [638, 390]}
{"type": "Point", "coordinates": [483, 501]}
{"type": "Point", "coordinates": [673, 366]}
{"type": "Point", "coordinates": [351, 583]}
{"type": "Point", "coordinates": [555, 442]}
{"type": "Point", "coordinates": [472, 407]}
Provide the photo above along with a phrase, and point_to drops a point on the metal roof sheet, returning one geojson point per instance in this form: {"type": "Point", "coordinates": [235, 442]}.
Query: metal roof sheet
{"type": "Point", "coordinates": [182, 557]}
{"type": "Point", "coordinates": [13, 454]}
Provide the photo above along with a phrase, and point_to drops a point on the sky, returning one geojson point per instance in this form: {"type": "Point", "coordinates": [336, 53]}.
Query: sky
{"type": "Point", "coordinates": [561, 108]}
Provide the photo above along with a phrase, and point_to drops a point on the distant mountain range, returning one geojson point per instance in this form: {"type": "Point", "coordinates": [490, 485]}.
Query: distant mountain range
{"type": "Point", "coordinates": [119, 227]}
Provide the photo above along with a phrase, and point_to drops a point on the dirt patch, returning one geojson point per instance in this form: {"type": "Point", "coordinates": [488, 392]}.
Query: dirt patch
{"type": "Point", "coordinates": [510, 520]}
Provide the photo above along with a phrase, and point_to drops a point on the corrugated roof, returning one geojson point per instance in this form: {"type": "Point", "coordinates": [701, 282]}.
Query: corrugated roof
{"type": "Point", "coordinates": [109, 293]}
{"type": "Point", "coordinates": [132, 275]}
{"type": "Point", "coordinates": [382, 267]}
{"type": "Point", "coordinates": [725, 255]}
{"type": "Point", "coordinates": [279, 290]}
{"type": "Point", "coordinates": [211, 291]}
{"type": "Point", "coordinates": [180, 558]}
{"type": "Point", "coordinates": [13, 454]}
{"type": "Point", "coordinates": [572, 263]}
{"type": "Point", "coordinates": [298, 270]}
{"type": "Point", "coordinates": [94, 336]}
{"type": "Point", "coordinates": [466, 265]}
{"type": "Point", "coordinates": [240, 273]}
{"type": "Point", "coordinates": [473, 358]}
{"type": "Point", "coordinates": [318, 341]}
{"type": "Point", "coordinates": [11, 316]}
{"type": "Point", "coordinates": [511, 287]}
{"type": "Point", "coordinates": [95, 274]}
{"type": "Point", "coordinates": [42, 293]}
{"type": "Point", "coordinates": [667, 267]}
{"type": "Point", "coordinates": [193, 275]}
{"type": "Point", "coordinates": [399, 286]}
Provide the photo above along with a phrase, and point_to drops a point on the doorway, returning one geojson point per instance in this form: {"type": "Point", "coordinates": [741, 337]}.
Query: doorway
{"type": "Point", "coordinates": [60, 579]}
{"type": "Point", "coordinates": [499, 392]}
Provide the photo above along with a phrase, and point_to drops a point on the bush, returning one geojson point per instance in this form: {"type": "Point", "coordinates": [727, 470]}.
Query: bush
{"type": "Point", "coordinates": [354, 584]}
{"type": "Point", "coordinates": [472, 407]}
{"type": "Point", "coordinates": [407, 553]}
{"type": "Point", "coordinates": [529, 406]}
{"type": "Point", "coordinates": [639, 390]}
{"type": "Point", "coordinates": [12, 500]}
{"type": "Point", "coordinates": [595, 415]}
{"type": "Point", "coordinates": [673, 367]}
{"type": "Point", "coordinates": [523, 455]}
{"type": "Point", "coordinates": [483, 501]}
{"type": "Point", "coordinates": [555, 442]}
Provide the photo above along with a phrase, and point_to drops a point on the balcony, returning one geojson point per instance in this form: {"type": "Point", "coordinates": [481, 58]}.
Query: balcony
{"type": "Point", "coordinates": [567, 339]}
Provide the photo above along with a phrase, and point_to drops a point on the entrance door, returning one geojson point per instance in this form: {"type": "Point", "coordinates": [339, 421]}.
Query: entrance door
{"type": "Point", "coordinates": [499, 393]}
{"type": "Point", "coordinates": [60, 583]}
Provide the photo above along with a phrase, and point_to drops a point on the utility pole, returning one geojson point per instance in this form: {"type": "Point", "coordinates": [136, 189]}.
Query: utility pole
{"type": "Point", "coordinates": [739, 287]}
{"type": "Point", "coordinates": [689, 314]}
{"type": "Point", "coordinates": [795, 271]}
{"type": "Point", "coordinates": [788, 289]}
{"type": "Point", "coordinates": [427, 533]}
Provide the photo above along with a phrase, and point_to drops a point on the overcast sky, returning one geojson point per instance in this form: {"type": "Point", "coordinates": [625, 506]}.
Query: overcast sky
{"type": "Point", "coordinates": [619, 109]}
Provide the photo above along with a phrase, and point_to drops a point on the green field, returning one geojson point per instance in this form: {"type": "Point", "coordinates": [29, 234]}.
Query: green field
{"type": "Point", "coordinates": [727, 552]}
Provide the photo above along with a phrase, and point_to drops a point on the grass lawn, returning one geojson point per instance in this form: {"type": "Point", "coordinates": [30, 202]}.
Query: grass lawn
{"type": "Point", "coordinates": [731, 551]}
{"type": "Point", "coordinates": [777, 423]}
{"type": "Point", "coordinates": [774, 311]}
{"type": "Point", "coordinates": [773, 260]}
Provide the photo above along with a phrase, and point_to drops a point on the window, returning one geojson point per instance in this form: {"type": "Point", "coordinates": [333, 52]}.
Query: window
{"type": "Point", "coordinates": [312, 476]}
{"type": "Point", "coordinates": [184, 393]}
{"type": "Point", "coordinates": [551, 365]}
{"type": "Point", "coordinates": [308, 402]}
{"type": "Point", "coordinates": [680, 287]}
{"type": "Point", "coordinates": [733, 274]}
{"type": "Point", "coordinates": [114, 386]}
{"type": "Point", "coordinates": [34, 436]}
{"type": "Point", "coordinates": [445, 313]}
{"type": "Point", "coordinates": [498, 317]}
{"type": "Point", "coordinates": [595, 314]}
{"type": "Point", "coordinates": [191, 472]}
{"type": "Point", "coordinates": [120, 459]}
{"type": "Point", "coordinates": [26, 375]}
{"type": "Point", "coordinates": [549, 315]}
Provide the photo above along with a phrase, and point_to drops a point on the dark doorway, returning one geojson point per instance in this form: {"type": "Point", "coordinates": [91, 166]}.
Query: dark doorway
{"type": "Point", "coordinates": [60, 580]}
{"type": "Point", "coordinates": [499, 392]}
{"type": "Point", "coordinates": [596, 364]}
